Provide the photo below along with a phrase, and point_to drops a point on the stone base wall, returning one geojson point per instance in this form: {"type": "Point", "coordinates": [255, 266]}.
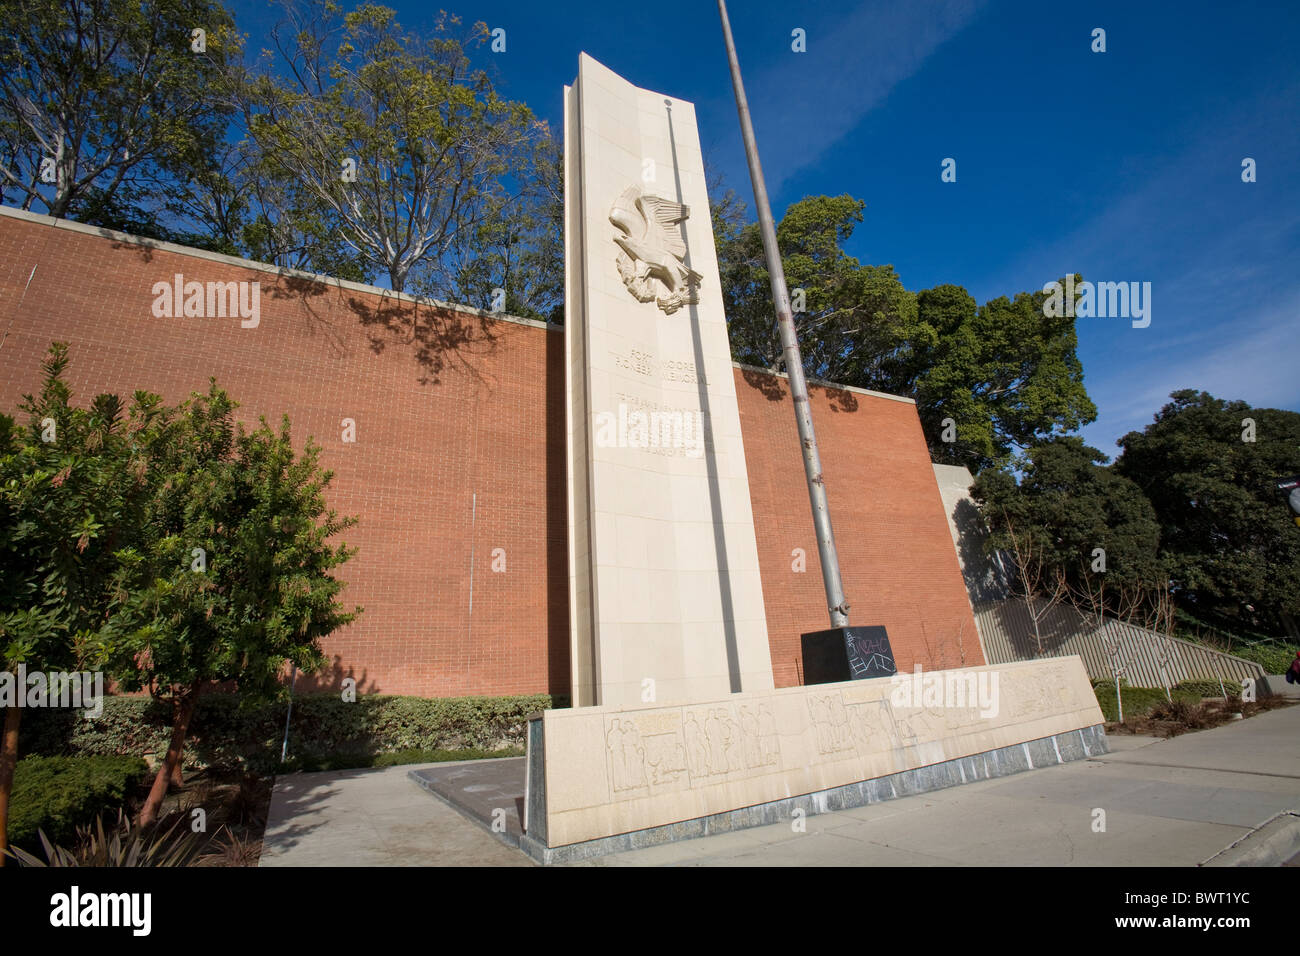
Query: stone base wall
{"type": "Point", "coordinates": [660, 772]}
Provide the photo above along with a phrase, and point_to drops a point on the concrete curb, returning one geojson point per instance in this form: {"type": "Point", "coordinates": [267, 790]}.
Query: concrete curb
{"type": "Point", "coordinates": [1272, 844]}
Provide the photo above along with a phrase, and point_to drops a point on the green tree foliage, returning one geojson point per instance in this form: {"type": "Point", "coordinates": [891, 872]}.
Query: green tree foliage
{"type": "Point", "coordinates": [232, 579]}
{"type": "Point", "coordinates": [109, 115]}
{"type": "Point", "coordinates": [237, 207]}
{"type": "Point", "coordinates": [1233, 550]}
{"type": "Point", "coordinates": [100, 515]}
{"type": "Point", "coordinates": [853, 317]}
{"type": "Point", "coordinates": [110, 97]}
{"type": "Point", "coordinates": [71, 491]}
{"type": "Point", "coordinates": [1007, 375]}
{"type": "Point", "coordinates": [988, 381]}
{"type": "Point", "coordinates": [1068, 505]}
{"type": "Point", "coordinates": [70, 488]}
{"type": "Point", "coordinates": [405, 146]}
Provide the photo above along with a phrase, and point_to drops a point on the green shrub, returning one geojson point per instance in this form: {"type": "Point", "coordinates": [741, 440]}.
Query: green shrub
{"type": "Point", "coordinates": [325, 732]}
{"type": "Point", "coordinates": [310, 762]}
{"type": "Point", "coordinates": [1274, 658]}
{"type": "Point", "coordinates": [400, 757]}
{"type": "Point", "coordinates": [58, 794]}
{"type": "Point", "coordinates": [1207, 687]}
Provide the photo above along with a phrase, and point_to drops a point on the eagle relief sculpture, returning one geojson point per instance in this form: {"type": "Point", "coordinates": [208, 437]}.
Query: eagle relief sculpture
{"type": "Point", "coordinates": [652, 250]}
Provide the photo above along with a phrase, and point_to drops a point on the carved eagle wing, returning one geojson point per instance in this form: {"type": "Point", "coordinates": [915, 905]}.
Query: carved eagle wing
{"type": "Point", "coordinates": [665, 215]}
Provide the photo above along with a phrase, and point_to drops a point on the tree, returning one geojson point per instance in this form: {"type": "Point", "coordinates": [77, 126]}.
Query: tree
{"type": "Point", "coordinates": [850, 318]}
{"type": "Point", "coordinates": [104, 105]}
{"type": "Point", "coordinates": [1208, 466]}
{"type": "Point", "coordinates": [514, 261]}
{"type": "Point", "coordinates": [231, 580]}
{"type": "Point", "coordinates": [407, 147]}
{"type": "Point", "coordinates": [71, 491]}
{"type": "Point", "coordinates": [1040, 581]}
{"type": "Point", "coordinates": [1087, 520]}
{"type": "Point", "coordinates": [1160, 617]}
{"type": "Point", "coordinates": [1006, 374]}
{"type": "Point", "coordinates": [746, 295]}
{"type": "Point", "coordinates": [989, 381]}
{"type": "Point", "coordinates": [1089, 597]}
{"type": "Point", "coordinates": [236, 206]}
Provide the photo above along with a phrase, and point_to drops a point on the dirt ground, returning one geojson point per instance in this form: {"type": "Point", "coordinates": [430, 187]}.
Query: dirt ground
{"type": "Point", "coordinates": [1181, 717]}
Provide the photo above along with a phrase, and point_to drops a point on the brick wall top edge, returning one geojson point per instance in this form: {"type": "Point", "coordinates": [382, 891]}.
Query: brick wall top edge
{"type": "Point", "coordinates": [104, 233]}
{"type": "Point", "coordinates": [193, 253]}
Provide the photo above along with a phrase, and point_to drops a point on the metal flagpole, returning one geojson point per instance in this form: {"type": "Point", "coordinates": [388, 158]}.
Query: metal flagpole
{"type": "Point", "coordinates": [812, 464]}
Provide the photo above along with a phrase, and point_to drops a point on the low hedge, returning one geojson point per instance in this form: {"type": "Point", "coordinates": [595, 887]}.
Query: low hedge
{"type": "Point", "coordinates": [1274, 658]}
{"type": "Point", "coordinates": [324, 729]}
{"type": "Point", "coordinates": [1209, 687]}
{"type": "Point", "coordinates": [355, 760]}
{"type": "Point", "coordinates": [57, 794]}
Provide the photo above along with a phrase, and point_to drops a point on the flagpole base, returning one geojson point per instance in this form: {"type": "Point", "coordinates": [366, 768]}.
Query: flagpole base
{"type": "Point", "coordinates": [847, 653]}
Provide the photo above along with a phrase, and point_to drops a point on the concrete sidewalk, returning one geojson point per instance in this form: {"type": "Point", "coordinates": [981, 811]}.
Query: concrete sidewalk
{"type": "Point", "coordinates": [1173, 802]}
{"type": "Point", "coordinates": [372, 818]}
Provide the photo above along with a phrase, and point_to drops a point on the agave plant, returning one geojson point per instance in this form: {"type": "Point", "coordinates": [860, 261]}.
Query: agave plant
{"type": "Point", "coordinates": [119, 845]}
{"type": "Point", "coordinates": [230, 849]}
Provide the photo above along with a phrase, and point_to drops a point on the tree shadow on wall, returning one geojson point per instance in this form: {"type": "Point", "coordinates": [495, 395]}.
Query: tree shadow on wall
{"type": "Point", "coordinates": [309, 294]}
{"type": "Point", "coordinates": [985, 574]}
{"type": "Point", "coordinates": [1058, 625]}
{"type": "Point", "coordinates": [329, 679]}
{"type": "Point", "coordinates": [143, 248]}
{"type": "Point", "coordinates": [771, 385]}
{"type": "Point", "coordinates": [438, 336]}
{"type": "Point", "coordinates": [841, 399]}
{"type": "Point", "coordinates": [776, 388]}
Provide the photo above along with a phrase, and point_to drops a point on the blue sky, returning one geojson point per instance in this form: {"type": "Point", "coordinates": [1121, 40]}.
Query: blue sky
{"type": "Point", "coordinates": [1123, 165]}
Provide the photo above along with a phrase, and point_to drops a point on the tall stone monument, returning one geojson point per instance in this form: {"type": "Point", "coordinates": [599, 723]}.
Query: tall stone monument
{"type": "Point", "coordinates": [677, 730]}
{"type": "Point", "coordinates": [664, 592]}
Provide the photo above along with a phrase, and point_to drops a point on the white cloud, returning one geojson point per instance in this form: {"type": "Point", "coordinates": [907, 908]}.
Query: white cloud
{"type": "Point", "coordinates": [1253, 359]}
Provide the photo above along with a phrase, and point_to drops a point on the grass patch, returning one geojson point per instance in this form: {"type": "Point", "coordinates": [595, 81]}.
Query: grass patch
{"type": "Point", "coordinates": [1139, 701]}
{"type": "Point", "coordinates": [1196, 705]}
{"type": "Point", "coordinates": [1209, 687]}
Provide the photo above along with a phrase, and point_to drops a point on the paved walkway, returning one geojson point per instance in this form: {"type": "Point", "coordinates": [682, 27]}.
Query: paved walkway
{"type": "Point", "coordinates": [372, 818]}
{"type": "Point", "coordinates": [1172, 802]}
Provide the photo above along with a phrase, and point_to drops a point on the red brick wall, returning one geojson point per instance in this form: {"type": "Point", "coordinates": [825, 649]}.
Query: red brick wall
{"type": "Point", "coordinates": [897, 560]}
{"type": "Point", "coordinates": [451, 405]}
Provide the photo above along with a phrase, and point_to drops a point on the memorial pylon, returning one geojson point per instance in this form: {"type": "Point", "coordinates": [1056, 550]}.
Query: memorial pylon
{"type": "Point", "coordinates": [664, 592]}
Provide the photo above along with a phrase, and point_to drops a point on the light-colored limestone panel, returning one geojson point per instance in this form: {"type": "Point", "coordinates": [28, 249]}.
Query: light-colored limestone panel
{"type": "Point", "coordinates": [665, 595]}
{"type": "Point", "coordinates": [612, 770]}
